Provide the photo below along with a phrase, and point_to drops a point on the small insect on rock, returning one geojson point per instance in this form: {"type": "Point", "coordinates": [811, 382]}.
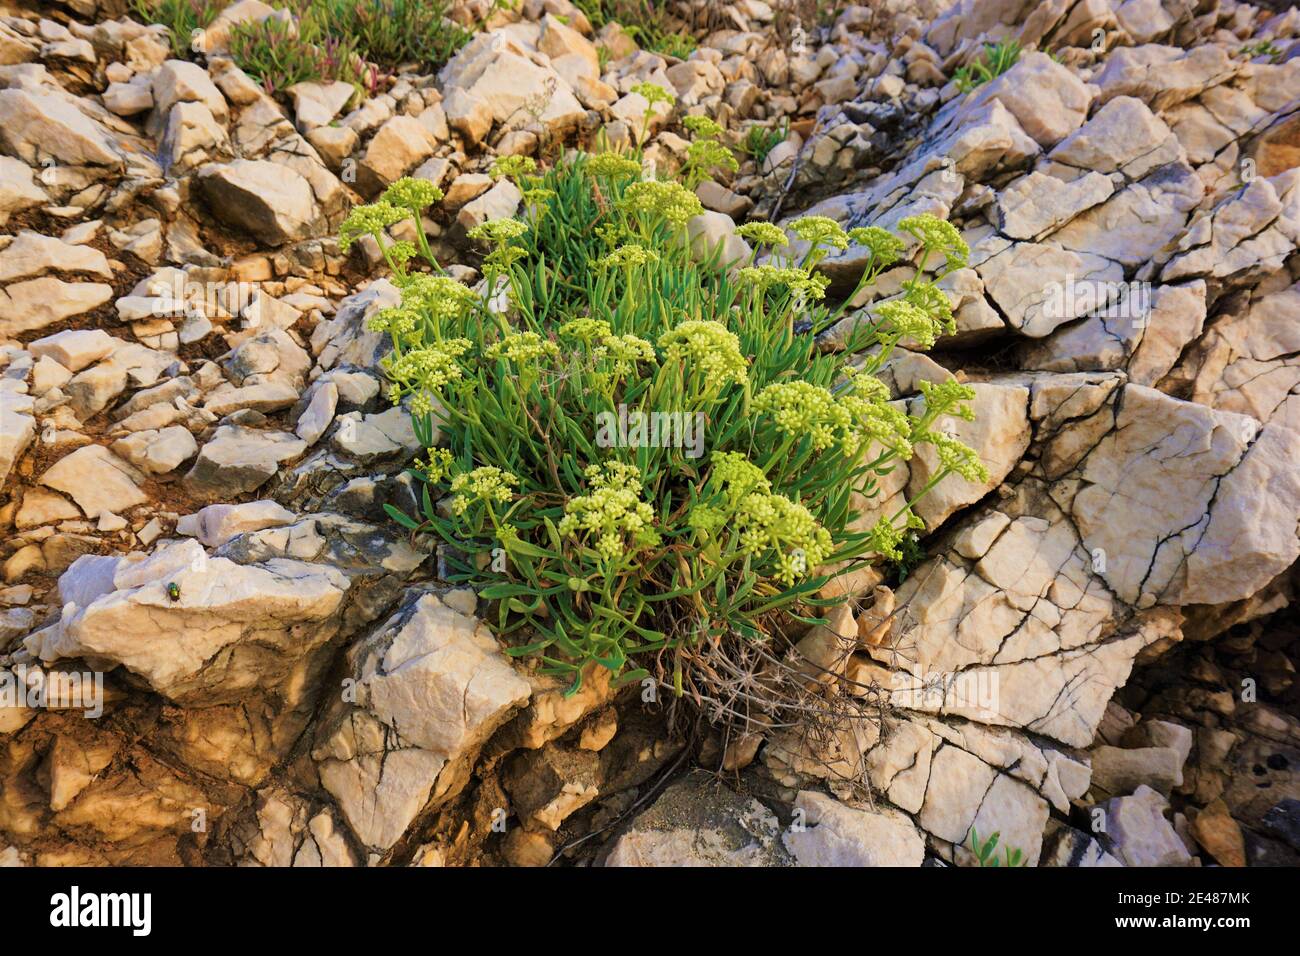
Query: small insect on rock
{"type": "Point", "coordinates": [174, 591]}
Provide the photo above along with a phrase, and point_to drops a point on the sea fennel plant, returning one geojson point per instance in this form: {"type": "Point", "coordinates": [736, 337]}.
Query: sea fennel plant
{"type": "Point", "coordinates": [635, 447]}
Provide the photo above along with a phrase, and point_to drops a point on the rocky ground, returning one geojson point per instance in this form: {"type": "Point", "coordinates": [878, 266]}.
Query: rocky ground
{"type": "Point", "coordinates": [1095, 658]}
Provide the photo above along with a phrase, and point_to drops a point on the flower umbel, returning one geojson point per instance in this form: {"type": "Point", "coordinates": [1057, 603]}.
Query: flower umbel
{"type": "Point", "coordinates": [668, 200]}
{"type": "Point", "coordinates": [368, 220]}
{"type": "Point", "coordinates": [612, 512]}
{"type": "Point", "coordinates": [937, 235]}
{"type": "Point", "coordinates": [522, 347]}
{"type": "Point", "coordinates": [708, 348]}
{"type": "Point", "coordinates": [414, 194]}
{"type": "Point", "coordinates": [763, 234]}
{"type": "Point", "coordinates": [486, 484]}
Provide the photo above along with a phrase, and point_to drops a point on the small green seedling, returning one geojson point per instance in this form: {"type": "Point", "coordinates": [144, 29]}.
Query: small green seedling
{"type": "Point", "coordinates": [984, 851]}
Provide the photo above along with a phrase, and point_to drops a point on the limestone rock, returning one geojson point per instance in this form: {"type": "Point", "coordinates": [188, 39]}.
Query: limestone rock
{"type": "Point", "coordinates": [74, 349]}
{"type": "Point", "coordinates": [715, 231]}
{"type": "Point", "coordinates": [216, 524]}
{"type": "Point", "coordinates": [180, 81]}
{"type": "Point", "coordinates": [1037, 204]}
{"type": "Point", "coordinates": [399, 146]}
{"type": "Point", "coordinates": [32, 254]}
{"type": "Point", "coordinates": [431, 686]}
{"type": "Point", "coordinates": [697, 821]}
{"type": "Point", "coordinates": [17, 426]}
{"type": "Point", "coordinates": [1123, 136]}
{"type": "Point", "coordinates": [1137, 832]}
{"type": "Point", "coordinates": [1047, 99]}
{"type": "Point", "coordinates": [35, 303]}
{"type": "Point", "coordinates": [231, 629]}
{"type": "Point", "coordinates": [237, 459]}
{"type": "Point", "coordinates": [159, 451]}
{"type": "Point", "coordinates": [35, 126]}
{"type": "Point", "coordinates": [1220, 835]}
{"type": "Point", "coordinates": [1117, 771]}
{"type": "Point", "coordinates": [97, 480]}
{"type": "Point", "coordinates": [1026, 280]}
{"type": "Point", "coordinates": [832, 834]}
{"type": "Point", "coordinates": [264, 199]}
{"type": "Point", "coordinates": [1206, 535]}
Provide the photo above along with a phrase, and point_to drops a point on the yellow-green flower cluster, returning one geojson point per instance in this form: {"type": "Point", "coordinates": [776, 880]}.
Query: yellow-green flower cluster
{"type": "Point", "coordinates": [703, 126]}
{"type": "Point", "coordinates": [708, 348]}
{"type": "Point", "coordinates": [585, 330]}
{"type": "Point", "coordinates": [866, 385]}
{"type": "Point", "coordinates": [401, 252]}
{"type": "Point", "coordinates": [411, 193]}
{"type": "Point", "coordinates": [672, 201]}
{"type": "Point", "coordinates": [733, 477]}
{"type": "Point", "coordinates": [875, 419]}
{"type": "Point", "coordinates": [439, 466]}
{"type": "Point", "coordinates": [368, 220]}
{"type": "Point", "coordinates": [763, 234]}
{"type": "Point", "coordinates": [611, 511]}
{"type": "Point", "coordinates": [487, 484]}
{"type": "Point", "coordinates": [627, 256]}
{"type": "Point", "coordinates": [932, 300]}
{"type": "Point", "coordinates": [536, 196]}
{"type": "Point", "coordinates": [522, 347]}
{"type": "Point", "coordinates": [513, 166]}
{"type": "Point", "coordinates": [397, 321]}
{"type": "Point", "coordinates": [820, 231]}
{"type": "Point", "coordinates": [937, 235]}
{"type": "Point", "coordinates": [654, 93]}
{"type": "Point", "coordinates": [613, 166]}
{"type": "Point", "coordinates": [737, 475]}
{"type": "Point", "coordinates": [886, 248]}
{"type": "Point", "coordinates": [868, 405]}
{"type": "Point", "coordinates": [962, 459]}
{"type": "Point", "coordinates": [884, 539]}
{"type": "Point", "coordinates": [441, 298]}
{"type": "Point", "coordinates": [801, 408]}
{"type": "Point", "coordinates": [625, 351]}
{"type": "Point", "coordinates": [906, 321]}
{"type": "Point", "coordinates": [498, 231]}
{"type": "Point", "coordinates": [811, 285]}
{"type": "Point", "coordinates": [949, 397]}
{"type": "Point", "coordinates": [953, 455]}
{"type": "Point", "coordinates": [768, 521]}
{"type": "Point", "coordinates": [425, 369]}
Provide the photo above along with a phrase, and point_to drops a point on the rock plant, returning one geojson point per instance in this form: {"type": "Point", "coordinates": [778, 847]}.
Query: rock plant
{"type": "Point", "coordinates": [634, 446]}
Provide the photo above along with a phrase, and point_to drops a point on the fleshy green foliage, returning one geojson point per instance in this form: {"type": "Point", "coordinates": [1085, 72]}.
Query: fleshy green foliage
{"type": "Point", "coordinates": [985, 852]}
{"type": "Point", "coordinates": [638, 450]}
{"type": "Point", "coordinates": [393, 32]}
{"type": "Point", "coordinates": [996, 60]}
{"type": "Point", "coordinates": [278, 55]}
{"type": "Point", "coordinates": [356, 41]}
{"type": "Point", "coordinates": [1263, 48]}
{"type": "Point", "coordinates": [761, 140]}
{"type": "Point", "coordinates": [182, 17]}
{"type": "Point", "coordinates": [643, 21]}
